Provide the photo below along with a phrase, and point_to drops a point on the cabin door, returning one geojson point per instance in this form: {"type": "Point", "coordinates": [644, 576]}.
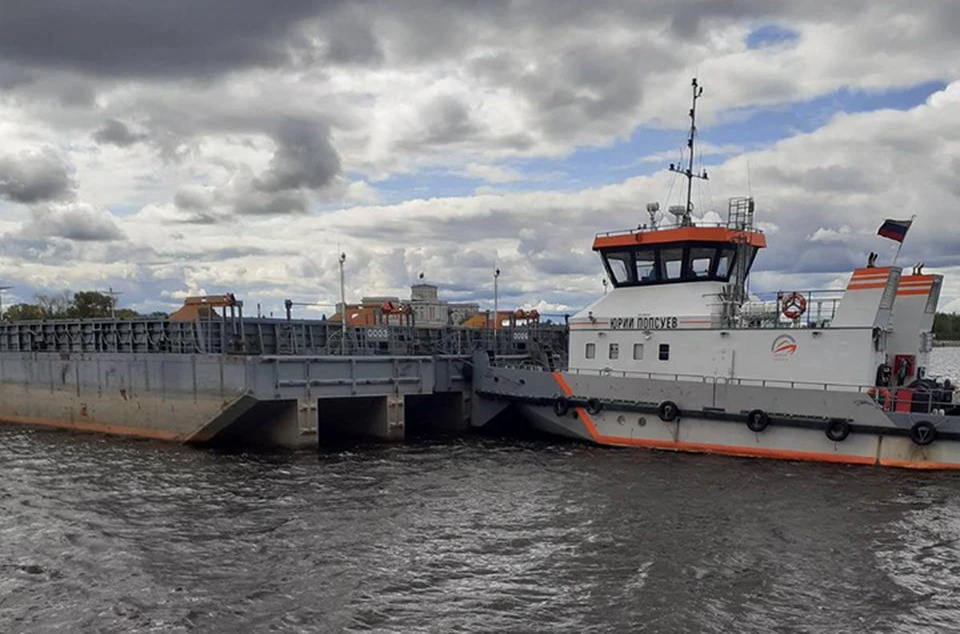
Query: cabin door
{"type": "Point", "coordinates": [723, 363]}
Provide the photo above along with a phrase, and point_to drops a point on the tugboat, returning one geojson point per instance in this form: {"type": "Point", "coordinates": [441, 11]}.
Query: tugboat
{"type": "Point", "coordinates": [680, 356]}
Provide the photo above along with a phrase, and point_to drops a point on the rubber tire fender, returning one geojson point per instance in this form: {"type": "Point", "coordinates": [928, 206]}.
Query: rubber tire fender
{"type": "Point", "coordinates": [668, 411]}
{"type": "Point", "coordinates": [561, 405]}
{"type": "Point", "coordinates": [594, 406]}
{"type": "Point", "coordinates": [923, 433]}
{"type": "Point", "coordinates": [757, 420]}
{"type": "Point", "coordinates": [838, 430]}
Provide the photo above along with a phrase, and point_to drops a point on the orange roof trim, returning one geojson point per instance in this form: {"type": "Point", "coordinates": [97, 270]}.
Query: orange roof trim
{"type": "Point", "coordinates": [680, 234]}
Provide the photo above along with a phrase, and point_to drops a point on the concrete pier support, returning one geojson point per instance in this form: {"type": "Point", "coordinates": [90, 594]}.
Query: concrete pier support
{"type": "Point", "coordinates": [265, 424]}
{"type": "Point", "coordinates": [372, 417]}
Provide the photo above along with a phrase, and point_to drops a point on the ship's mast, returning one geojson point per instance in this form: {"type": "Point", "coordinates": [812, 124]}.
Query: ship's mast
{"type": "Point", "coordinates": [691, 140]}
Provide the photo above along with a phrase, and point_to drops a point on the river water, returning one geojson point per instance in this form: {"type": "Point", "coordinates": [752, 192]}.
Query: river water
{"type": "Point", "coordinates": [475, 534]}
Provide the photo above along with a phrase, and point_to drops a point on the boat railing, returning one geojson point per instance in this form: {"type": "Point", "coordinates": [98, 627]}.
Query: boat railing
{"type": "Point", "coordinates": [721, 380]}
{"type": "Point", "coordinates": [665, 227]}
{"type": "Point", "coordinates": [820, 308]}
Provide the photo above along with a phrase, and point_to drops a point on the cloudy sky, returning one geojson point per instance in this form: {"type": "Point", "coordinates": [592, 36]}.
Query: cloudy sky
{"type": "Point", "coordinates": [205, 146]}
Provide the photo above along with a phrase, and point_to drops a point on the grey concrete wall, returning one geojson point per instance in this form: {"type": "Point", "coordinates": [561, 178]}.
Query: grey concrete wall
{"type": "Point", "coordinates": [157, 395]}
{"type": "Point", "coordinates": [267, 424]}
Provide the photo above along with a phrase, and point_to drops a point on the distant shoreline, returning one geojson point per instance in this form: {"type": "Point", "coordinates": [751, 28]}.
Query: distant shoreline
{"type": "Point", "coordinates": [946, 344]}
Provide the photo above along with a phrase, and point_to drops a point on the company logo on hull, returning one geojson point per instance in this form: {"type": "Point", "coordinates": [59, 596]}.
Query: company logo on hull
{"type": "Point", "coordinates": [783, 346]}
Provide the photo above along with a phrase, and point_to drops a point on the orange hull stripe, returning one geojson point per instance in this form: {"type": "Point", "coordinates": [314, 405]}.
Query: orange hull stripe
{"type": "Point", "coordinates": [870, 276]}
{"type": "Point", "coordinates": [910, 464]}
{"type": "Point", "coordinates": [862, 285]}
{"type": "Point", "coordinates": [100, 428]}
{"type": "Point", "coordinates": [925, 291]}
{"type": "Point", "coordinates": [744, 452]}
{"type": "Point", "coordinates": [872, 272]}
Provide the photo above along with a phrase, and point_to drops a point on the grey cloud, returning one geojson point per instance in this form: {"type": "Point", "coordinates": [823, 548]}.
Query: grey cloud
{"type": "Point", "coordinates": [257, 203]}
{"type": "Point", "coordinates": [170, 38]}
{"type": "Point", "coordinates": [117, 133]}
{"type": "Point", "coordinates": [447, 120]}
{"type": "Point", "coordinates": [75, 221]}
{"type": "Point", "coordinates": [304, 159]}
{"type": "Point", "coordinates": [193, 198]}
{"type": "Point", "coordinates": [31, 177]}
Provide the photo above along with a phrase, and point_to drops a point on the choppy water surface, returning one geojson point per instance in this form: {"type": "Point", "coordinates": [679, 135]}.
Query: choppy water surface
{"type": "Point", "coordinates": [468, 535]}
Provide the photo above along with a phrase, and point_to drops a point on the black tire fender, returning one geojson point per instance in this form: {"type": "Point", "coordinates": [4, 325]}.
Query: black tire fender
{"type": "Point", "coordinates": [668, 411]}
{"type": "Point", "coordinates": [594, 406]}
{"type": "Point", "coordinates": [757, 420]}
{"type": "Point", "coordinates": [838, 430]}
{"type": "Point", "coordinates": [923, 433]}
{"type": "Point", "coordinates": [561, 405]}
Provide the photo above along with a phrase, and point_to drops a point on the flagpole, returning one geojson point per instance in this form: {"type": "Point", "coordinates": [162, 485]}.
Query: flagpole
{"type": "Point", "coordinates": [897, 255]}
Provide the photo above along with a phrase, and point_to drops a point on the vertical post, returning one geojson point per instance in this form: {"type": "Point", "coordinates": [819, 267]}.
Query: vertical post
{"type": "Point", "coordinates": [343, 309]}
{"type": "Point", "coordinates": [496, 311]}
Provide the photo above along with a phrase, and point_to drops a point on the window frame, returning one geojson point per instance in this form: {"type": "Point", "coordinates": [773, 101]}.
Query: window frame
{"type": "Point", "coordinates": [686, 271]}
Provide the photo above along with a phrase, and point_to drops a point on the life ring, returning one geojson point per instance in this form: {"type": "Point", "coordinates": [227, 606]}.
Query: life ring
{"type": "Point", "coordinates": [838, 430]}
{"type": "Point", "coordinates": [757, 420]}
{"type": "Point", "coordinates": [793, 305]}
{"type": "Point", "coordinates": [561, 405]}
{"type": "Point", "coordinates": [882, 397]}
{"type": "Point", "coordinates": [923, 433]}
{"type": "Point", "coordinates": [668, 411]}
{"type": "Point", "coordinates": [594, 406]}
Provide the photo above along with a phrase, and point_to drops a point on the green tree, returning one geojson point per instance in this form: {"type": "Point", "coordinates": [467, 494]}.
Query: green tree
{"type": "Point", "coordinates": [946, 326]}
{"type": "Point", "coordinates": [23, 312]}
{"type": "Point", "coordinates": [55, 306]}
{"type": "Point", "coordinates": [90, 305]}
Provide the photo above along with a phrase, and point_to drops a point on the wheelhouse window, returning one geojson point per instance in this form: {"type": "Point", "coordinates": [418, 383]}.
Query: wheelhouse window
{"type": "Point", "coordinates": [590, 351]}
{"type": "Point", "coordinates": [614, 351]}
{"type": "Point", "coordinates": [724, 263]}
{"type": "Point", "coordinates": [674, 262]}
{"type": "Point", "coordinates": [671, 263]}
{"type": "Point", "coordinates": [619, 264]}
{"type": "Point", "coordinates": [646, 262]}
{"type": "Point", "coordinates": [701, 262]}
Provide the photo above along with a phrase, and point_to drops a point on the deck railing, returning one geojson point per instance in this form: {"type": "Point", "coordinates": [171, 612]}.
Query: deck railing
{"type": "Point", "coordinates": [275, 337]}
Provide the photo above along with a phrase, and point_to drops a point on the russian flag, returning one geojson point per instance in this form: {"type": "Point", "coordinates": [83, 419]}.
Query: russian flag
{"type": "Point", "coordinates": [895, 229]}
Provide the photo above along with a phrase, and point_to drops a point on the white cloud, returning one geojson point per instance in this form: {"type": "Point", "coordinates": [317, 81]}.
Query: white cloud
{"type": "Point", "coordinates": [316, 112]}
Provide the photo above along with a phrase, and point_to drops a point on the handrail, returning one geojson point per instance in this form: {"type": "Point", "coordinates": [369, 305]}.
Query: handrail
{"type": "Point", "coordinates": [745, 382]}
{"type": "Point", "coordinates": [644, 228]}
{"type": "Point", "coordinates": [702, 378]}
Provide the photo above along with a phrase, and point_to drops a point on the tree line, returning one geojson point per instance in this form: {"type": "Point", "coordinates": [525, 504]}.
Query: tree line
{"type": "Point", "coordinates": [67, 305]}
{"type": "Point", "coordinates": [946, 327]}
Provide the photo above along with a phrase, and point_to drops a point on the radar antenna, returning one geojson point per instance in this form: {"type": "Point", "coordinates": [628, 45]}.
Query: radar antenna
{"type": "Point", "coordinates": [686, 220]}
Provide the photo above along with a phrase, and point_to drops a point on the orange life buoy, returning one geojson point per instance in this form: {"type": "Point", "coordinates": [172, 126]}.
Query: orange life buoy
{"type": "Point", "coordinates": [794, 305]}
{"type": "Point", "coordinates": [882, 396]}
